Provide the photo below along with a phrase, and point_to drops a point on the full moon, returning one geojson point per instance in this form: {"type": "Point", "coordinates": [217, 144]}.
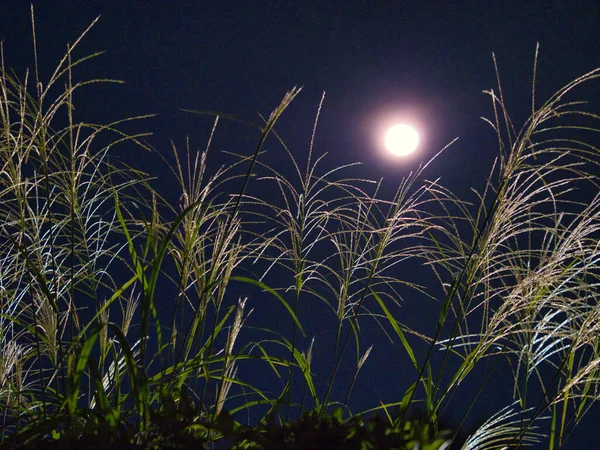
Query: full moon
{"type": "Point", "coordinates": [401, 140]}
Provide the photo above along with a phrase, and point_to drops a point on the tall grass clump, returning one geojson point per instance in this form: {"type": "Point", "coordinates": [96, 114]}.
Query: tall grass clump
{"type": "Point", "coordinates": [122, 322]}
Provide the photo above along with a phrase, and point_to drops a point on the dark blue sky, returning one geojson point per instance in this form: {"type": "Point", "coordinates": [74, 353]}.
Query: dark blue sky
{"type": "Point", "coordinates": [376, 61]}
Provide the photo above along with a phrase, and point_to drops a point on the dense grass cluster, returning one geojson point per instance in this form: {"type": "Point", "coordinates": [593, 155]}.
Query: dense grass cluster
{"type": "Point", "coordinates": [90, 253]}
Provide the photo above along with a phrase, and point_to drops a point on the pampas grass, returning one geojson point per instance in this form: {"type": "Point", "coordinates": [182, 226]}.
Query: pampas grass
{"type": "Point", "coordinates": [89, 248]}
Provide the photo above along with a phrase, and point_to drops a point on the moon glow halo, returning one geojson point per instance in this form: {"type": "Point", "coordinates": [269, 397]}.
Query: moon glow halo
{"type": "Point", "coordinates": [401, 140]}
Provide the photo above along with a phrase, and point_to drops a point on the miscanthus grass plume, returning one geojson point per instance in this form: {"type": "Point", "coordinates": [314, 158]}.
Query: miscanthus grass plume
{"type": "Point", "coordinates": [90, 252]}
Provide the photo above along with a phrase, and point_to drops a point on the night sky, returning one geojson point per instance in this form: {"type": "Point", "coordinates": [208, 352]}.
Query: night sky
{"type": "Point", "coordinates": [377, 62]}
